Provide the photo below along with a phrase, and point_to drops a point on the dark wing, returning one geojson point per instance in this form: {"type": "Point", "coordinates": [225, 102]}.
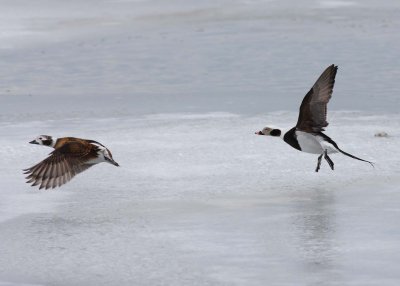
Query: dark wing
{"type": "Point", "coordinates": [313, 109]}
{"type": "Point", "coordinates": [61, 166]}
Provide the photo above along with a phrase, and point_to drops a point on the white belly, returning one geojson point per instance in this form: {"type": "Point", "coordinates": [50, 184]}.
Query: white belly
{"type": "Point", "coordinates": [314, 144]}
{"type": "Point", "coordinates": [95, 161]}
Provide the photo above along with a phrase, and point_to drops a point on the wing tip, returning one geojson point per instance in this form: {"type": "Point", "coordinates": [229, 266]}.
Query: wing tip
{"type": "Point", "coordinates": [332, 68]}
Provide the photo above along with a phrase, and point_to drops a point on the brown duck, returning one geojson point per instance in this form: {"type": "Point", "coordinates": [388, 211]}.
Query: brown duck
{"type": "Point", "coordinates": [70, 157]}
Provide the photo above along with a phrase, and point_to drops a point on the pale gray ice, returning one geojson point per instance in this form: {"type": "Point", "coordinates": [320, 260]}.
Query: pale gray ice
{"type": "Point", "coordinates": [176, 91]}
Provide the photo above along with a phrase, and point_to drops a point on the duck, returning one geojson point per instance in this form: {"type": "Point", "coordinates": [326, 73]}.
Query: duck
{"type": "Point", "coordinates": [307, 136]}
{"type": "Point", "coordinates": [70, 157]}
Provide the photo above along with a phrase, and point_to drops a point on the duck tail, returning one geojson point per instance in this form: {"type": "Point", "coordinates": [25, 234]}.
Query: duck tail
{"type": "Point", "coordinates": [354, 157]}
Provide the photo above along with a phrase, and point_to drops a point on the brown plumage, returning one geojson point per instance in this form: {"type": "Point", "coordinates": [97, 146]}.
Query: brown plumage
{"type": "Point", "coordinates": [70, 157]}
{"type": "Point", "coordinates": [313, 109]}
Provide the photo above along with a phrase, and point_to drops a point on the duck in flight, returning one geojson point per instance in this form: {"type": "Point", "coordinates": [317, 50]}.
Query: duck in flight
{"type": "Point", "coordinates": [70, 157]}
{"type": "Point", "coordinates": [307, 135]}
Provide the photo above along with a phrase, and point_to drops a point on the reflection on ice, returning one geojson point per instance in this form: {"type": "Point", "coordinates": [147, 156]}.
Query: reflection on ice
{"type": "Point", "coordinates": [317, 230]}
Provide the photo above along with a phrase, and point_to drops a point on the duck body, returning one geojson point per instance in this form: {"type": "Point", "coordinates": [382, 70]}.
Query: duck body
{"type": "Point", "coordinates": [309, 143]}
{"type": "Point", "coordinates": [70, 157]}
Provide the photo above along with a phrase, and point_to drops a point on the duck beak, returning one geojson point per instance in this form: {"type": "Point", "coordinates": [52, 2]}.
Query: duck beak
{"type": "Point", "coordinates": [33, 142]}
{"type": "Point", "coordinates": [259, 133]}
{"type": "Point", "coordinates": [114, 163]}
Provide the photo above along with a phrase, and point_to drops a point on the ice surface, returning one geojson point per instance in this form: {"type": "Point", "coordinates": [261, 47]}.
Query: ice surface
{"type": "Point", "coordinates": [200, 200]}
{"type": "Point", "coordinates": [176, 90]}
{"type": "Point", "coordinates": [199, 56]}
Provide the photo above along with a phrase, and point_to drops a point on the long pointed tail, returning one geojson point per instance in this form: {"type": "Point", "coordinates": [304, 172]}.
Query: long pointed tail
{"type": "Point", "coordinates": [354, 157]}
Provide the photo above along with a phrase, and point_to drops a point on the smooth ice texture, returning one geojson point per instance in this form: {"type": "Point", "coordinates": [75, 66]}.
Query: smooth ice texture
{"type": "Point", "coordinates": [201, 200]}
{"type": "Point", "coordinates": [107, 57]}
{"type": "Point", "coordinates": [176, 90]}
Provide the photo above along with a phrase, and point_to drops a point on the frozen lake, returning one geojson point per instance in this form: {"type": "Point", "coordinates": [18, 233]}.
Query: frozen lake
{"type": "Point", "coordinates": [201, 200]}
{"type": "Point", "coordinates": [176, 91]}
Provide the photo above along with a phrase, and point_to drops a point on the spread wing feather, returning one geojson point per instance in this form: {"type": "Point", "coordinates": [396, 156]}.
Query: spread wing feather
{"type": "Point", "coordinates": [313, 109]}
{"type": "Point", "coordinates": [61, 166]}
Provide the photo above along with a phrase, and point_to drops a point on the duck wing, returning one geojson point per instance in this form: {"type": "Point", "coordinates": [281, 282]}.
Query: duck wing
{"type": "Point", "coordinates": [62, 165]}
{"type": "Point", "coordinates": [313, 109]}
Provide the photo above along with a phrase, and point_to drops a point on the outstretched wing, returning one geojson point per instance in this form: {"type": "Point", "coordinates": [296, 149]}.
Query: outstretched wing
{"type": "Point", "coordinates": [313, 109]}
{"type": "Point", "coordinates": [61, 166]}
